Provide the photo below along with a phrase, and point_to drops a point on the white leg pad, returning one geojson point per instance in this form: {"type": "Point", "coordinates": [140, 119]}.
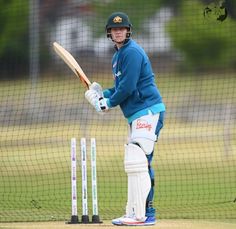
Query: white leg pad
{"type": "Point", "coordinates": [139, 183]}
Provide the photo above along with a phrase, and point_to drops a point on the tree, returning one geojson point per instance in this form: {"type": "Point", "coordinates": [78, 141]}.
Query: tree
{"type": "Point", "coordinates": [205, 43]}
{"type": "Point", "coordinates": [14, 36]}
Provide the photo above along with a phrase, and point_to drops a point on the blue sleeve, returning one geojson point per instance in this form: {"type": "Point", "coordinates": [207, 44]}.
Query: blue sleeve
{"type": "Point", "coordinates": [130, 72]}
{"type": "Point", "coordinates": [107, 93]}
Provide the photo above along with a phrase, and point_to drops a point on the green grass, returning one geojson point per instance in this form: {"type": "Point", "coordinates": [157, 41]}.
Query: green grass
{"type": "Point", "coordinates": [195, 175]}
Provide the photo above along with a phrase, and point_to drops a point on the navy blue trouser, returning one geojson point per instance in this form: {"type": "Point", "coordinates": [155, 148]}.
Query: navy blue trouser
{"type": "Point", "coordinates": [150, 210]}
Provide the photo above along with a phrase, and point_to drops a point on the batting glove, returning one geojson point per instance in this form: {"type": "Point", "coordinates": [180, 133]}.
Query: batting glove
{"type": "Point", "coordinates": [98, 88]}
{"type": "Point", "coordinates": [103, 104]}
{"type": "Point", "coordinates": [93, 97]}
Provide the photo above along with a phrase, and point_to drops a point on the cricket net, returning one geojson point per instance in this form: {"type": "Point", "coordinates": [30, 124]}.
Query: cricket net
{"type": "Point", "coordinates": [191, 45]}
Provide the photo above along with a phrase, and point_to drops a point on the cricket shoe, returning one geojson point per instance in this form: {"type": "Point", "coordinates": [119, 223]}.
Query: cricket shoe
{"type": "Point", "coordinates": [132, 221]}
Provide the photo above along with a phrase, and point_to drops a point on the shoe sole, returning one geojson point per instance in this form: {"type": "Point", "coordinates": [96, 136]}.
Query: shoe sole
{"type": "Point", "coordinates": [133, 224]}
{"type": "Point", "coordinates": [138, 224]}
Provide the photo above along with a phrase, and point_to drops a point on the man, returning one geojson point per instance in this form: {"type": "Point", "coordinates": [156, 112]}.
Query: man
{"type": "Point", "coordinates": [137, 95]}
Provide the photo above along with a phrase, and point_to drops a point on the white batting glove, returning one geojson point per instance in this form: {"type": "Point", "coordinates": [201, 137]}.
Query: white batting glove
{"type": "Point", "coordinates": [93, 98]}
{"type": "Point", "coordinates": [98, 88]}
{"type": "Point", "coordinates": [103, 105]}
{"type": "Point", "coordinates": [99, 103]}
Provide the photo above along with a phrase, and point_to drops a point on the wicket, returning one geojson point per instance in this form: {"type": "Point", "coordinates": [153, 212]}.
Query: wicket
{"type": "Point", "coordinates": [83, 151]}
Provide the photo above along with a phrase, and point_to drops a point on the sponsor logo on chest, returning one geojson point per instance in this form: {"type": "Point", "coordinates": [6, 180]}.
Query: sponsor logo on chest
{"type": "Point", "coordinates": [118, 74]}
{"type": "Point", "coordinates": [114, 65]}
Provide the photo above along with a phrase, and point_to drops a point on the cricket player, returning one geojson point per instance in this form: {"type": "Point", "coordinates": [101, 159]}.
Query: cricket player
{"type": "Point", "coordinates": [136, 92]}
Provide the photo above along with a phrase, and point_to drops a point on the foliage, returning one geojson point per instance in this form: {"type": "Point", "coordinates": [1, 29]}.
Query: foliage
{"type": "Point", "coordinates": [13, 29]}
{"type": "Point", "coordinates": [205, 43]}
{"type": "Point", "coordinates": [134, 8]}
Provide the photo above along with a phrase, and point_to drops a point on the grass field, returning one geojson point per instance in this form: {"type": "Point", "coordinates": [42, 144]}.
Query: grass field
{"type": "Point", "coordinates": [195, 171]}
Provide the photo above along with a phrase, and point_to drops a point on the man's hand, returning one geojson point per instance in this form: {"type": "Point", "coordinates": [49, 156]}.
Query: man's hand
{"type": "Point", "coordinates": [98, 88]}
{"type": "Point", "coordinates": [99, 103]}
{"type": "Point", "coordinates": [103, 104]}
{"type": "Point", "coordinates": [93, 97]}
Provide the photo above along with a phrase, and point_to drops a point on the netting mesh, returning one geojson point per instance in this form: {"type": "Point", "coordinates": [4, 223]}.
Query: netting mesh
{"type": "Point", "coordinates": [191, 45]}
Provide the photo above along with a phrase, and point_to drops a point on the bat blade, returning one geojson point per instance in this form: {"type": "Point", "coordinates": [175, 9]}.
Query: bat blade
{"type": "Point", "coordinates": [72, 63]}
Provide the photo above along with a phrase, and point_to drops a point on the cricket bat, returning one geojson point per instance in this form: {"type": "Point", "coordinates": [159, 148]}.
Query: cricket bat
{"type": "Point", "coordinates": [72, 63]}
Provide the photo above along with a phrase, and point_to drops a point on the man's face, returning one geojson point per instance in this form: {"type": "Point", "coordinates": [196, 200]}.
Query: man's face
{"type": "Point", "coordinates": [119, 34]}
